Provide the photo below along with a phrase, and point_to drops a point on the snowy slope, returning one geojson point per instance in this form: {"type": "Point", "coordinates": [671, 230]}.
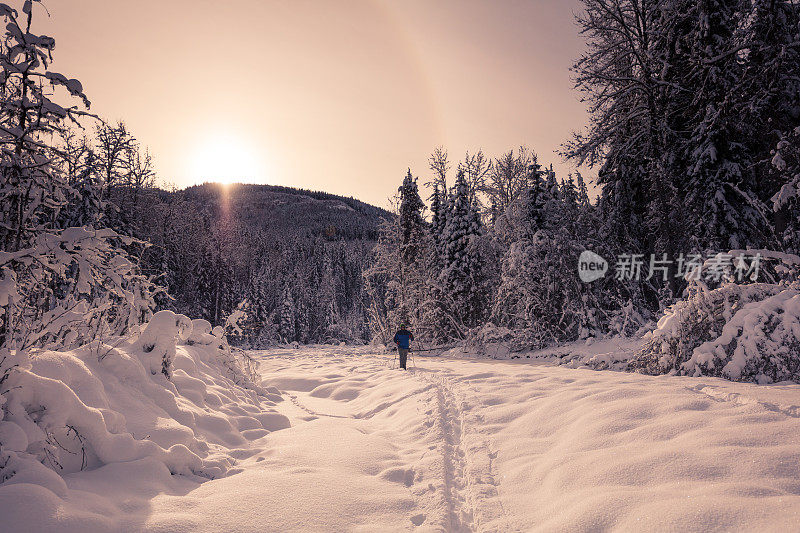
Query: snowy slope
{"type": "Point", "coordinates": [466, 445]}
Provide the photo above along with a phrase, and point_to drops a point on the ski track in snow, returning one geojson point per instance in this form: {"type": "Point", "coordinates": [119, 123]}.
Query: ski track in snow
{"type": "Point", "coordinates": [468, 487]}
{"type": "Point", "coordinates": [459, 511]}
{"type": "Point", "coordinates": [470, 480]}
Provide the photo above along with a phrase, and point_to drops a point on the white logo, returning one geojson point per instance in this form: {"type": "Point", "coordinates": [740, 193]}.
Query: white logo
{"type": "Point", "coordinates": [591, 266]}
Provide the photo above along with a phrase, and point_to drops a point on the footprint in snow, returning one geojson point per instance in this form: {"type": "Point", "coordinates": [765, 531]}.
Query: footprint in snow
{"type": "Point", "coordinates": [418, 519]}
{"type": "Point", "coordinates": [399, 475]}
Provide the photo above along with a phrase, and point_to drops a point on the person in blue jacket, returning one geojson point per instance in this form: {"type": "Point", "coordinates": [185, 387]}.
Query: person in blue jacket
{"type": "Point", "coordinates": [403, 339]}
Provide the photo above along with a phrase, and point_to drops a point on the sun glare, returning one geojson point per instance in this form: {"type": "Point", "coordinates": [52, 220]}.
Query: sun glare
{"type": "Point", "coordinates": [226, 160]}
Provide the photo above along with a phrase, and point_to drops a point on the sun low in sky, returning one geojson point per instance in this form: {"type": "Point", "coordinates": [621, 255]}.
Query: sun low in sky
{"type": "Point", "coordinates": [334, 96]}
{"type": "Point", "coordinates": [228, 158]}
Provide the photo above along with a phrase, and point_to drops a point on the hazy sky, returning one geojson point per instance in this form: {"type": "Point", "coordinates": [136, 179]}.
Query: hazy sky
{"type": "Point", "coordinates": [339, 96]}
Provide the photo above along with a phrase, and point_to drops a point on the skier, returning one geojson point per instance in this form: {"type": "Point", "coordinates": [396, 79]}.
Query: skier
{"type": "Point", "coordinates": [403, 339]}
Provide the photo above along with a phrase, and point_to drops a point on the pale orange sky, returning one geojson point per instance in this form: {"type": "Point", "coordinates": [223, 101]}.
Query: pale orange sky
{"type": "Point", "coordinates": [339, 96]}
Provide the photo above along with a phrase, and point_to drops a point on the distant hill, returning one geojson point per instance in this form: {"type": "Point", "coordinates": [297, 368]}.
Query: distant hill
{"type": "Point", "coordinates": [288, 210]}
{"type": "Point", "coordinates": [294, 256]}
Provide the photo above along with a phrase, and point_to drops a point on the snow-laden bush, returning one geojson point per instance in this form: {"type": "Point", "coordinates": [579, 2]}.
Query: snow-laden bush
{"type": "Point", "coordinates": [741, 332]}
{"type": "Point", "coordinates": [69, 287]}
{"type": "Point", "coordinates": [201, 333]}
{"type": "Point", "coordinates": [492, 341]}
{"type": "Point", "coordinates": [157, 341]}
{"type": "Point", "coordinates": [63, 412]}
{"type": "Point", "coordinates": [239, 366]}
{"type": "Point", "coordinates": [760, 343]}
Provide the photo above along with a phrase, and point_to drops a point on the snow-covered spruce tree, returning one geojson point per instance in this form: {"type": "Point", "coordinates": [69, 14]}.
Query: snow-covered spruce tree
{"type": "Point", "coordinates": [260, 325]}
{"type": "Point", "coordinates": [463, 275]}
{"type": "Point", "coordinates": [437, 225]}
{"type": "Point", "coordinates": [395, 281]}
{"type": "Point", "coordinates": [413, 250]}
{"type": "Point", "coordinates": [288, 311]}
{"type": "Point", "coordinates": [722, 204]}
{"type": "Point", "coordinates": [436, 325]}
{"type": "Point", "coordinates": [204, 285]}
{"type": "Point", "coordinates": [303, 315]}
{"type": "Point", "coordinates": [786, 202]}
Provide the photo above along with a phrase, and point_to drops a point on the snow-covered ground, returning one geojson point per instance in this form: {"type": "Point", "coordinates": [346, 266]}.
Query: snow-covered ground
{"type": "Point", "coordinates": [454, 445]}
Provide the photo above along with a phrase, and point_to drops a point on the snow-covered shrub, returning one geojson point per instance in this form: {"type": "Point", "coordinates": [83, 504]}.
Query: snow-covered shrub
{"type": "Point", "coordinates": [239, 366]}
{"type": "Point", "coordinates": [760, 343]}
{"type": "Point", "coordinates": [692, 322]}
{"type": "Point", "coordinates": [201, 333]}
{"type": "Point", "coordinates": [741, 332]}
{"type": "Point", "coordinates": [627, 321]}
{"type": "Point", "coordinates": [157, 342]}
{"type": "Point", "coordinates": [63, 412]}
{"type": "Point", "coordinates": [491, 340]}
{"type": "Point", "coordinates": [237, 322]}
{"type": "Point", "coordinates": [70, 286]}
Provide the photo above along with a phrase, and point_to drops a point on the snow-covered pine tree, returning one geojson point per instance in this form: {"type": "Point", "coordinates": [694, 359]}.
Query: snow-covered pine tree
{"type": "Point", "coordinates": [583, 190]}
{"type": "Point", "coordinates": [413, 250]}
{"type": "Point", "coordinates": [204, 285]}
{"type": "Point", "coordinates": [436, 228]}
{"type": "Point", "coordinates": [569, 191]}
{"type": "Point", "coordinates": [462, 276]}
{"type": "Point", "coordinates": [435, 324]}
{"type": "Point", "coordinates": [303, 315]}
{"type": "Point", "coordinates": [722, 205]}
{"type": "Point", "coordinates": [786, 202]}
{"type": "Point", "coordinates": [412, 223]}
{"type": "Point", "coordinates": [287, 316]}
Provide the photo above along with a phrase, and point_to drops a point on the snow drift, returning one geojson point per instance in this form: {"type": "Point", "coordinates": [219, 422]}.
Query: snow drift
{"type": "Point", "coordinates": [176, 394]}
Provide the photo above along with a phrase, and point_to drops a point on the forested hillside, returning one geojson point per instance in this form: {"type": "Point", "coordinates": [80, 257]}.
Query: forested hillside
{"type": "Point", "coordinates": [290, 259]}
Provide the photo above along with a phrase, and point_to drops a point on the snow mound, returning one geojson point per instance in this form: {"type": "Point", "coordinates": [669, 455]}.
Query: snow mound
{"type": "Point", "coordinates": [150, 397]}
